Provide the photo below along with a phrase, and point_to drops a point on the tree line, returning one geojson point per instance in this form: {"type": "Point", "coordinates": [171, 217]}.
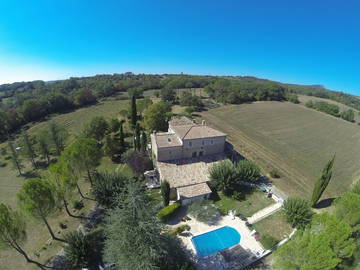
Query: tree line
{"type": "Point", "coordinates": [331, 109]}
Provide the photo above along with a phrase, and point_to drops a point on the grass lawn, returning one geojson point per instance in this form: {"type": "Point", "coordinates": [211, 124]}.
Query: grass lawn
{"type": "Point", "coordinates": [155, 196]}
{"type": "Point", "coordinates": [274, 225]}
{"type": "Point", "coordinates": [252, 203]}
{"type": "Point", "coordinates": [295, 140]}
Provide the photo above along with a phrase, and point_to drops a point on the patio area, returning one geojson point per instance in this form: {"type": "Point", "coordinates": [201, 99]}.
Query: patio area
{"type": "Point", "coordinates": [249, 248]}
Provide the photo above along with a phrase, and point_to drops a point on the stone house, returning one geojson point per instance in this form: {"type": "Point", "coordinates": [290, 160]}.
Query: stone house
{"type": "Point", "coordinates": [184, 155]}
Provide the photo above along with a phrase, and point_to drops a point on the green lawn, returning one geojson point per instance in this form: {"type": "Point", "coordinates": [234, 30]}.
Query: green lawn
{"type": "Point", "coordinates": [274, 226]}
{"type": "Point", "coordinates": [252, 203]}
{"type": "Point", "coordinates": [155, 196]}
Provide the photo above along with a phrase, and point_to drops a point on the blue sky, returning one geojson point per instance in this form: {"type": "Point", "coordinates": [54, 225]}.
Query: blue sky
{"type": "Point", "coordinates": [308, 42]}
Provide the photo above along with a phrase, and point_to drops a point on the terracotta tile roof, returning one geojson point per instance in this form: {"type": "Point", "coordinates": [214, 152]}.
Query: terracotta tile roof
{"type": "Point", "coordinates": [167, 140]}
{"type": "Point", "coordinates": [194, 190]}
{"type": "Point", "coordinates": [202, 131]}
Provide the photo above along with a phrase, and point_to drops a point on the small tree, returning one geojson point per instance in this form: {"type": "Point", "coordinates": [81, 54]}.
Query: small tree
{"type": "Point", "coordinates": [247, 171]}
{"type": "Point", "coordinates": [97, 128]}
{"type": "Point", "coordinates": [122, 136]}
{"type": "Point", "coordinates": [322, 182]}
{"type": "Point", "coordinates": [298, 212]}
{"type": "Point", "coordinates": [165, 192]}
{"type": "Point", "coordinates": [83, 250]}
{"type": "Point", "coordinates": [28, 148]}
{"type": "Point", "coordinates": [347, 208]}
{"type": "Point", "coordinates": [37, 199]}
{"type": "Point", "coordinates": [107, 187]}
{"type": "Point", "coordinates": [64, 182]}
{"type": "Point", "coordinates": [13, 232]}
{"type": "Point", "coordinates": [114, 125]}
{"type": "Point", "coordinates": [15, 158]}
{"type": "Point", "coordinates": [223, 175]}
{"type": "Point", "coordinates": [84, 155]}
{"type": "Point", "coordinates": [58, 136]}
{"type": "Point", "coordinates": [112, 147]}
{"type": "Point", "coordinates": [43, 144]}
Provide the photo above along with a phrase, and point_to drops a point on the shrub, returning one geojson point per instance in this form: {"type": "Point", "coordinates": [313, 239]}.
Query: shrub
{"type": "Point", "coordinates": [180, 229]}
{"type": "Point", "coordinates": [298, 212]}
{"type": "Point", "coordinates": [78, 204]}
{"type": "Point", "coordinates": [293, 98]}
{"type": "Point", "coordinates": [238, 195]}
{"type": "Point", "coordinates": [139, 162]}
{"type": "Point", "coordinates": [275, 173]}
{"type": "Point", "coordinates": [169, 211]}
{"type": "Point", "coordinates": [356, 188]}
{"type": "Point", "coordinates": [62, 225]}
{"type": "Point", "coordinates": [204, 211]}
{"type": "Point", "coordinates": [3, 164]}
{"type": "Point", "coordinates": [165, 192]}
{"type": "Point", "coordinates": [268, 241]}
{"type": "Point", "coordinates": [247, 171]}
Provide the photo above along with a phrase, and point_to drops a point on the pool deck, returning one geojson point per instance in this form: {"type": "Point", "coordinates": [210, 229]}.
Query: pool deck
{"type": "Point", "coordinates": [247, 241]}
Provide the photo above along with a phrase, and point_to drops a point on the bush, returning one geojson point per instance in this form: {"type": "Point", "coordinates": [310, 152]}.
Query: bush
{"type": "Point", "coordinates": [169, 211]}
{"type": "Point", "coordinates": [78, 204]}
{"type": "Point", "coordinates": [180, 229]}
{"type": "Point", "coordinates": [139, 162]}
{"type": "Point", "coordinates": [3, 164]}
{"type": "Point", "coordinates": [238, 195]}
{"type": "Point", "coordinates": [275, 173]}
{"type": "Point", "coordinates": [298, 212]}
{"type": "Point", "coordinates": [268, 241]}
{"type": "Point", "coordinates": [293, 98]}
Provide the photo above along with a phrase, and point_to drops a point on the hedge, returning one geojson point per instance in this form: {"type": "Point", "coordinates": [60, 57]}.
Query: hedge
{"type": "Point", "coordinates": [169, 211]}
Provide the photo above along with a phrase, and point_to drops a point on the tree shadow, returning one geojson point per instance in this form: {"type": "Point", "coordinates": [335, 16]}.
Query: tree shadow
{"type": "Point", "coordinates": [324, 203]}
{"type": "Point", "coordinates": [30, 174]}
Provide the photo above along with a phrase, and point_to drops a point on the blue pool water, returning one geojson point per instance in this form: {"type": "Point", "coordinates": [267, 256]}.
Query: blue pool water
{"type": "Point", "coordinates": [214, 241]}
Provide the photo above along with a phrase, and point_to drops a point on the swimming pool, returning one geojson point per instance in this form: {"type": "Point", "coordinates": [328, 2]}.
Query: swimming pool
{"type": "Point", "coordinates": [211, 242]}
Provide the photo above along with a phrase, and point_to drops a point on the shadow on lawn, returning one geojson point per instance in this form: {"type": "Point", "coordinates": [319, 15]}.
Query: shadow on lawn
{"type": "Point", "coordinates": [324, 203]}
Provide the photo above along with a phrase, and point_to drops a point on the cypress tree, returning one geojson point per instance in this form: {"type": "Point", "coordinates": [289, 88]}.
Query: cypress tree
{"type": "Point", "coordinates": [137, 143]}
{"type": "Point", "coordinates": [143, 141]}
{"type": "Point", "coordinates": [322, 182]}
{"type": "Point", "coordinates": [133, 112]}
{"type": "Point", "coordinates": [165, 192]}
{"type": "Point", "coordinates": [121, 136]}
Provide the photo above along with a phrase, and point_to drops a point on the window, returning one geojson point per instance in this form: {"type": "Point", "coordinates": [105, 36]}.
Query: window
{"type": "Point", "coordinates": [203, 142]}
{"type": "Point", "coordinates": [190, 144]}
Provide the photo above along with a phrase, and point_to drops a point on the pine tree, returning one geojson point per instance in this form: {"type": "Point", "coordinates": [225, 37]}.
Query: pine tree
{"type": "Point", "coordinates": [322, 182]}
{"type": "Point", "coordinates": [133, 112]}
{"type": "Point", "coordinates": [15, 158]}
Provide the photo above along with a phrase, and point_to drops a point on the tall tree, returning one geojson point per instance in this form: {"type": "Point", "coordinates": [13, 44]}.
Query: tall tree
{"type": "Point", "coordinates": [84, 155]}
{"type": "Point", "coordinates": [133, 112]}
{"type": "Point", "coordinates": [165, 192]}
{"type": "Point", "coordinates": [322, 182]}
{"type": "Point", "coordinates": [37, 199]}
{"type": "Point", "coordinates": [137, 142]}
{"type": "Point", "coordinates": [58, 136]}
{"type": "Point", "coordinates": [28, 148]}
{"type": "Point", "coordinates": [156, 116]}
{"type": "Point", "coordinates": [112, 147]}
{"type": "Point", "coordinates": [15, 158]}
{"type": "Point", "coordinates": [43, 144]}
{"type": "Point", "coordinates": [13, 232]}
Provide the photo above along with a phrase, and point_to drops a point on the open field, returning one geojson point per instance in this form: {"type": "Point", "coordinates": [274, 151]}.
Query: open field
{"type": "Point", "coordinates": [38, 236]}
{"type": "Point", "coordinates": [75, 121]}
{"type": "Point", "coordinates": [293, 139]}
